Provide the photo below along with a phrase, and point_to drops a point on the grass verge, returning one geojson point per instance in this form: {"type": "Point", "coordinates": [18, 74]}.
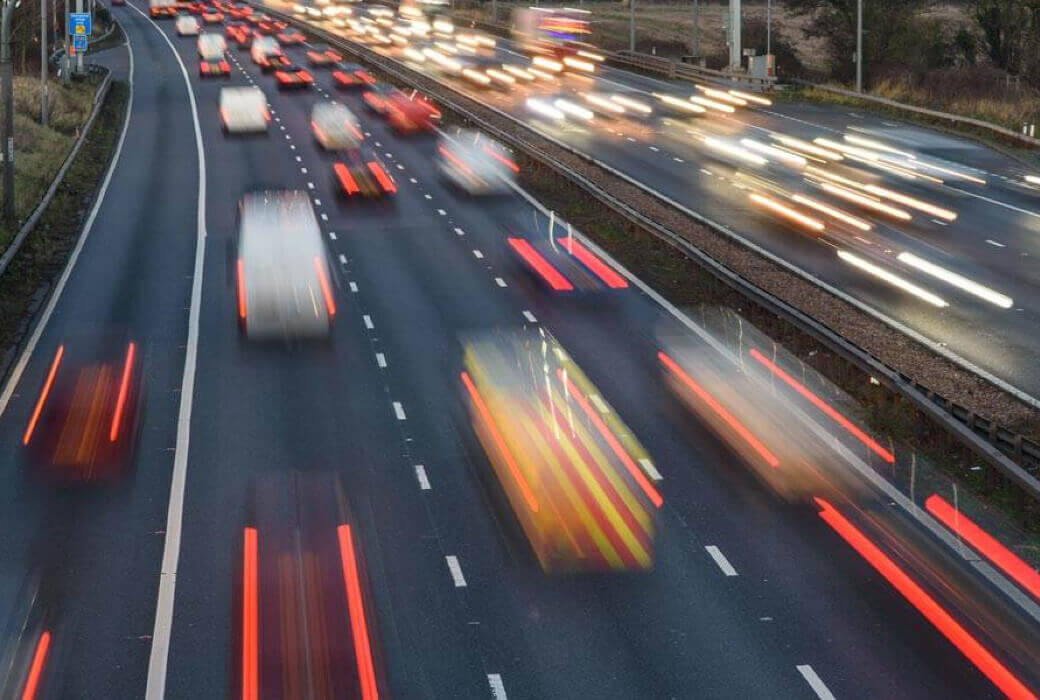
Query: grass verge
{"type": "Point", "coordinates": [28, 279]}
{"type": "Point", "coordinates": [40, 150]}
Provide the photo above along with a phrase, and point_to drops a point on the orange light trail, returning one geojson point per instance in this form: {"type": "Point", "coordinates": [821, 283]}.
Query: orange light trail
{"type": "Point", "coordinates": [124, 389]}
{"type": "Point", "coordinates": [500, 443]}
{"type": "Point", "coordinates": [356, 608]}
{"type": "Point", "coordinates": [825, 407]}
{"type": "Point", "coordinates": [637, 473]}
{"type": "Point", "coordinates": [326, 290]}
{"type": "Point", "coordinates": [725, 415]}
{"type": "Point", "coordinates": [384, 180]}
{"type": "Point", "coordinates": [601, 269]}
{"type": "Point", "coordinates": [346, 180]}
{"type": "Point", "coordinates": [241, 290]}
{"type": "Point", "coordinates": [32, 681]}
{"type": "Point", "coordinates": [250, 617]}
{"type": "Point", "coordinates": [925, 604]}
{"type": "Point", "coordinates": [985, 543]}
{"type": "Point", "coordinates": [43, 395]}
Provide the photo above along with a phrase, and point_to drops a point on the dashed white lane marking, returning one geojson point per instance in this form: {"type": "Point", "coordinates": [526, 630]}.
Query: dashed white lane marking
{"type": "Point", "coordinates": [292, 146]}
{"type": "Point", "coordinates": [332, 235]}
{"type": "Point", "coordinates": [456, 571]}
{"type": "Point", "coordinates": [400, 167]}
{"type": "Point", "coordinates": [413, 181]}
{"type": "Point", "coordinates": [498, 690]}
{"type": "Point", "coordinates": [343, 258]}
{"type": "Point", "coordinates": [677, 159]}
{"type": "Point", "coordinates": [353, 287]}
{"type": "Point", "coordinates": [428, 196]}
{"type": "Point", "coordinates": [420, 474]}
{"type": "Point", "coordinates": [631, 139]}
{"type": "Point", "coordinates": [815, 682]}
{"type": "Point", "coordinates": [442, 212]}
{"type": "Point", "coordinates": [324, 216]}
{"type": "Point", "coordinates": [378, 145]}
{"type": "Point", "coordinates": [477, 254]}
{"type": "Point", "coordinates": [389, 155]}
{"type": "Point", "coordinates": [310, 185]}
{"type": "Point", "coordinates": [381, 359]}
{"type": "Point", "coordinates": [367, 134]}
{"type": "Point", "coordinates": [707, 172]}
{"type": "Point", "coordinates": [303, 170]}
{"type": "Point", "coordinates": [399, 411]}
{"type": "Point", "coordinates": [368, 322]}
{"type": "Point", "coordinates": [940, 222]}
{"type": "Point", "coordinates": [281, 126]}
{"type": "Point", "coordinates": [500, 282]}
{"type": "Point", "coordinates": [655, 149]}
{"type": "Point", "coordinates": [299, 159]}
{"type": "Point", "coordinates": [459, 231]}
{"type": "Point", "coordinates": [992, 242]}
{"type": "Point", "coordinates": [530, 316]}
{"type": "Point", "coordinates": [721, 560]}
{"type": "Point", "coordinates": [650, 469]}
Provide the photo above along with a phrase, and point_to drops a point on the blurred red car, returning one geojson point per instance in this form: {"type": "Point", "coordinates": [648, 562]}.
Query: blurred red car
{"type": "Point", "coordinates": [360, 176]}
{"type": "Point", "coordinates": [292, 76]}
{"type": "Point", "coordinates": [290, 37]}
{"type": "Point", "coordinates": [210, 68]}
{"type": "Point", "coordinates": [410, 113]}
{"type": "Point", "coordinates": [351, 75]}
{"type": "Point", "coordinates": [212, 17]}
{"type": "Point", "coordinates": [84, 422]}
{"type": "Point", "coordinates": [320, 59]}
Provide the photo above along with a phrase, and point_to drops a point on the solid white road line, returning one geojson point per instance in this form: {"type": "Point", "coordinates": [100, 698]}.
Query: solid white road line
{"type": "Point", "coordinates": [34, 339]}
{"type": "Point", "coordinates": [156, 686]}
{"type": "Point", "coordinates": [815, 682]}
{"type": "Point", "coordinates": [721, 560]}
{"type": "Point", "coordinates": [498, 690]}
{"type": "Point", "coordinates": [399, 411]}
{"type": "Point", "coordinates": [456, 571]}
{"type": "Point", "coordinates": [420, 474]}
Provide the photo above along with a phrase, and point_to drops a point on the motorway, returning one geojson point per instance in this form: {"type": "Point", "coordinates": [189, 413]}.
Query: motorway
{"type": "Point", "coordinates": [751, 594]}
{"type": "Point", "coordinates": [990, 242]}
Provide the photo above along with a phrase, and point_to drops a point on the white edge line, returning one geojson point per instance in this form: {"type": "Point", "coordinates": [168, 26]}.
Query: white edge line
{"type": "Point", "coordinates": [41, 325]}
{"type": "Point", "coordinates": [157, 662]}
{"type": "Point", "coordinates": [815, 682]}
{"type": "Point", "coordinates": [498, 689]}
{"type": "Point", "coordinates": [420, 474]}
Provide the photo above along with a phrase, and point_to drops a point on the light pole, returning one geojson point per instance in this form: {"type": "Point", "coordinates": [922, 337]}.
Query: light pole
{"type": "Point", "coordinates": [8, 97]}
{"type": "Point", "coordinates": [632, 25]}
{"type": "Point", "coordinates": [43, 62]}
{"type": "Point", "coordinates": [695, 45]}
{"type": "Point", "coordinates": [769, 27]}
{"type": "Point", "coordinates": [734, 35]}
{"type": "Point", "coordinates": [859, 45]}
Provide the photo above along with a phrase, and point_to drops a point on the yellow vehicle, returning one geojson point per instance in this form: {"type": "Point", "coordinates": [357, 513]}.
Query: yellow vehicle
{"type": "Point", "coordinates": [580, 484]}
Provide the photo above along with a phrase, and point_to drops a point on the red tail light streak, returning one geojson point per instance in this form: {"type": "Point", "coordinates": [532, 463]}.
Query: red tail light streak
{"type": "Point", "coordinates": [346, 180]}
{"type": "Point", "coordinates": [500, 443]}
{"type": "Point", "coordinates": [43, 395]}
{"type": "Point", "coordinates": [124, 388]}
{"type": "Point", "coordinates": [356, 610]}
{"type": "Point", "coordinates": [326, 289]}
{"type": "Point", "coordinates": [714, 405]}
{"type": "Point", "coordinates": [615, 446]}
{"type": "Point", "coordinates": [502, 159]}
{"type": "Point", "coordinates": [250, 617]}
{"type": "Point", "coordinates": [540, 265]}
{"type": "Point", "coordinates": [32, 680]}
{"type": "Point", "coordinates": [984, 543]}
{"type": "Point", "coordinates": [598, 267]}
{"type": "Point", "coordinates": [241, 290]}
{"type": "Point", "coordinates": [824, 406]}
{"type": "Point", "coordinates": [380, 175]}
{"type": "Point", "coordinates": [925, 604]}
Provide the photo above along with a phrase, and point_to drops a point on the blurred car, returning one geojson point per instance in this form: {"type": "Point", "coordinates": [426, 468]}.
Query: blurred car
{"type": "Point", "coordinates": [212, 17]}
{"type": "Point", "coordinates": [575, 477]}
{"type": "Point", "coordinates": [290, 37]}
{"type": "Point", "coordinates": [195, 8]}
{"type": "Point", "coordinates": [84, 422]}
{"type": "Point", "coordinates": [351, 75]}
{"type": "Point", "coordinates": [187, 26]}
{"type": "Point", "coordinates": [240, 11]}
{"type": "Point", "coordinates": [241, 35]}
{"type": "Point", "coordinates": [335, 127]}
{"type": "Point", "coordinates": [211, 67]}
{"type": "Point", "coordinates": [292, 76]}
{"type": "Point", "coordinates": [408, 114]}
{"type": "Point", "coordinates": [561, 263]}
{"type": "Point", "coordinates": [244, 110]}
{"type": "Point", "coordinates": [476, 163]}
{"type": "Point", "coordinates": [211, 46]}
{"type": "Point", "coordinates": [363, 176]}
{"type": "Point", "coordinates": [376, 97]}
{"type": "Point", "coordinates": [282, 275]}
{"type": "Point", "coordinates": [322, 57]}
{"type": "Point", "coordinates": [267, 54]}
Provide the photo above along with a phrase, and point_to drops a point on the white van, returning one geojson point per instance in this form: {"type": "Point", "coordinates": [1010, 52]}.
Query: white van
{"type": "Point", "coordinates": [211, 47]}
{"type": "Point", "coordinates": [283, 280]}
{"type": "Point", "coordinates": [243, 110]}
{"type": "Point", "coordinates": [335, 127]}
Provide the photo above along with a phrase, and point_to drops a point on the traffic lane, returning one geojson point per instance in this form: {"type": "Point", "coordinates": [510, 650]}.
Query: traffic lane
{"type": "Point", "coordinates": [93, 547]}
{"type": "Point", "coordinates": [323, 418]}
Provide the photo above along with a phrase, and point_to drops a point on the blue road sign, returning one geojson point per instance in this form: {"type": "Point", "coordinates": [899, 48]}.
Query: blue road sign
{"type": "Point", "coordinates": [79, 42]}
{"type": "Point", "coordinates": [80, 24]}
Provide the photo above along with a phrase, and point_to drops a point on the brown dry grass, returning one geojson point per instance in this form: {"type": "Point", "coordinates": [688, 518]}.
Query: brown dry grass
{"type": "Point", "coordinates": [39, 150]}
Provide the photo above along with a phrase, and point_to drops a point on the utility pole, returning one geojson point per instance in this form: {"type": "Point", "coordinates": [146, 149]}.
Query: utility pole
{"type": "Point", "coordinates": [79, 55]}
{"type": "Point", "coordinates": [43, 62]}
{"type": "Point", "coordinates": [632, 25]}
{"type": "Point", "coordinates": [859, 45]}
{"type": "Point", "coordinates": [695, 45]}
{"type": "Point", "coordinates": [734, 35]}
{"type": "Point", "coordinates": [8, 97]}
{"type": "Point", "coordinates": [769, 27]}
